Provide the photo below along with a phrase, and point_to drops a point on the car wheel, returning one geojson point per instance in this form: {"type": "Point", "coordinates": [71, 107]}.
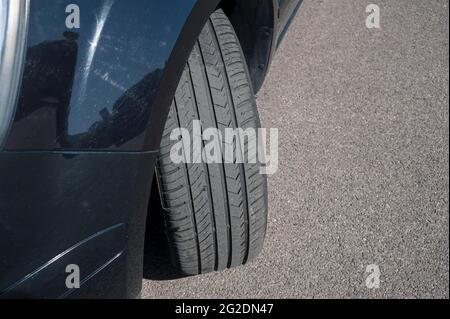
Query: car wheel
{"type": "Point", "coordinates": [215, 214]}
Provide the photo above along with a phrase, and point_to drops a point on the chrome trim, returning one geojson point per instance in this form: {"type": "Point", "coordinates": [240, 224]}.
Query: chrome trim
{"type": "Point", "coordinates": [13, 34]}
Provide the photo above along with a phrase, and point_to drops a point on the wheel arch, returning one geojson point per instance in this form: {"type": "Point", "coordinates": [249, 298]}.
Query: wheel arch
{"type": "Point", "coordinates": [254, 23]}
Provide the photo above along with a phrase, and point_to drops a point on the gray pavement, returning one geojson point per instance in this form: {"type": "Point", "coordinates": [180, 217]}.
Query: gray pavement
{"type": "Point", "coordinates": [363, 176]}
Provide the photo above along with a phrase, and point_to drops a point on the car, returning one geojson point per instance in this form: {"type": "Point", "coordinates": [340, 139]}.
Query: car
{"type": "Point", "coordinates": [90, 94]}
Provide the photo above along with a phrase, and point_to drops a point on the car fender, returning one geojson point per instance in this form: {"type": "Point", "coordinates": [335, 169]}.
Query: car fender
{"type": "Point", "coordinates": [106, 83]}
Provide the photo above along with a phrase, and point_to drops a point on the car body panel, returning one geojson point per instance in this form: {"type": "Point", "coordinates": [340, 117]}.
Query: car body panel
{"type": "Point", "coordinates": [66, 208]}
{"type": "Point", "coordinates": [78, 162]}
{"type": "Point", "coordinates": [93, 87]}
{"type": "Point", "coordinates": [288, 9]}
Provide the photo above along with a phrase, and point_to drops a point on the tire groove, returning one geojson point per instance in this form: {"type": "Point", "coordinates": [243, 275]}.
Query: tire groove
{"type": "Point", "coordinates": [186, 172]}
{"type": "Point", "coordinates": [241, 167]}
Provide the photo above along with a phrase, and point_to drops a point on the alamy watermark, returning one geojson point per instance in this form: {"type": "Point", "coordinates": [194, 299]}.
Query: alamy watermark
{"type": "Point", "coordinates": [228, 146]}
{"type": "Point", "coordinates": [73, 279]}
{"type": "Point", "coordinates": [373, 279]}
{"type": "Point", "coordinates": [73, 17]}
{"type": "Point", "coordinates": [373, 19]}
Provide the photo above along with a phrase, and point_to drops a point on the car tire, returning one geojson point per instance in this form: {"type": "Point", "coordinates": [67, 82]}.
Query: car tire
{"type": "Point", "coordinates": [215, 214]}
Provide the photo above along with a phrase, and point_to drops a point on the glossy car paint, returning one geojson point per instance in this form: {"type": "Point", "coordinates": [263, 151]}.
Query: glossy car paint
{"type": "Point", "coordinates": [77, 166]}
{"type": "Point", "coordinates": [94, 87]}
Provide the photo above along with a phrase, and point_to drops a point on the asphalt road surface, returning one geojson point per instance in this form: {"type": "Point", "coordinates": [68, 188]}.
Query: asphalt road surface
{"type": "Point", "coordinates": [363, 174]}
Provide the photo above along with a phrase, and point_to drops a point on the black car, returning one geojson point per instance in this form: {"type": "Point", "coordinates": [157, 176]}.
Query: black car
{"type": "Point", "coordinates": [90, 91]}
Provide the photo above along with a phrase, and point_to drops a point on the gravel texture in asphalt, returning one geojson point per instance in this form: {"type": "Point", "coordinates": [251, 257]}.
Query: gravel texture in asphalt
{"type": "Point", "coordinates": [364, 160]}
